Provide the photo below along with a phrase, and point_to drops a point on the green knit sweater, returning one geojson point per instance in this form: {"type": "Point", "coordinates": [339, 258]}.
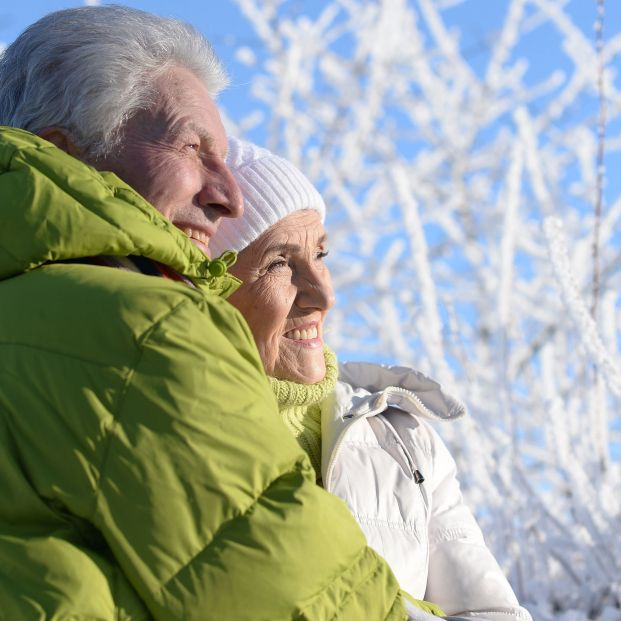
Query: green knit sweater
{"type": "Point", "coordinates": [299, 406]}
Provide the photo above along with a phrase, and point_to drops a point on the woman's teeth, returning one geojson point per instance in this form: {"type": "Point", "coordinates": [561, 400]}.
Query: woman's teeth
{"type": "Point", "coordinates": [302, 335]}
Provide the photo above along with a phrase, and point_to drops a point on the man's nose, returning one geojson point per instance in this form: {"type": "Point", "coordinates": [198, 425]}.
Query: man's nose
{"type": "Point", "coordinates": [235, 204]}
{"type": "Point", "coordinates": [221, 192]}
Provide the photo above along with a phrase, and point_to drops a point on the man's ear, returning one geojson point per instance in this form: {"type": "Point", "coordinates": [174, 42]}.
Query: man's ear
{"type": "Point", "coordinates": [61, 139]}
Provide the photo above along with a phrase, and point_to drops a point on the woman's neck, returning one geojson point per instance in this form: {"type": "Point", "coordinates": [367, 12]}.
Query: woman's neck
{"type": "Point", "coordinates": [300, 409]}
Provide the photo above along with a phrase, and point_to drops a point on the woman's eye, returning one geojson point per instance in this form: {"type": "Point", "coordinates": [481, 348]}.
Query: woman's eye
{"type": "Point", "coordinates": [277, 264]}
{"type": "Point", "coordinates": [322, 254]}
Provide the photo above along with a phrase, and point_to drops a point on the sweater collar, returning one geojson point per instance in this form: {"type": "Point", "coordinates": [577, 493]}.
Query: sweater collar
{"type": "Point", "coordinates": [290, 393]}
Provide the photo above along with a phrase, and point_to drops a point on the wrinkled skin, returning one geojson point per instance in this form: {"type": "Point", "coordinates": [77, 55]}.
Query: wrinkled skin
{"type": "Point", "coordinates": [173, 155]}
{"type": "Point", "coordinates": [287, 287]}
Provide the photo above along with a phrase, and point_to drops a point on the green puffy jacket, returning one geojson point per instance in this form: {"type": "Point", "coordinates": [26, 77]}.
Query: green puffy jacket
{"type": "Point", "coordinates": [144, 471]}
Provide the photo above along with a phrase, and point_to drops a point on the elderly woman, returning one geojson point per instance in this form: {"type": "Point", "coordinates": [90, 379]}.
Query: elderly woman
{"type": "Point", "coordinates": [364, 426]}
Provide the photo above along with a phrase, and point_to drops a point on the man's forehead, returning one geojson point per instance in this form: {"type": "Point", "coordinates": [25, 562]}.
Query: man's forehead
{"type": "Point", "coordinates": [174, 128]}
{"type": "Point", "coordinates": [185, 126]}
{"type": "Point", "coordinates": [184, 100]}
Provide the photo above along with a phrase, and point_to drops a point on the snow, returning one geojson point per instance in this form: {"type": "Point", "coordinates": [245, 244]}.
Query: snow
{"type": "Point", "coordinates": [461, 178]}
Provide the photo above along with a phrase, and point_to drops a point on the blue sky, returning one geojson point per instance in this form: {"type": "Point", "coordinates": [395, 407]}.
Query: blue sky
{"type": "Point", "coordinates": [227, 29]}
{"type": "Point", "coordinates": [477, 22]}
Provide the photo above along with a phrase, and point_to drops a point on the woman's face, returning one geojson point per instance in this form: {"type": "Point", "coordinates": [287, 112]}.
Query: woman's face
{"type": "Point", "coordinates": [286, 295]}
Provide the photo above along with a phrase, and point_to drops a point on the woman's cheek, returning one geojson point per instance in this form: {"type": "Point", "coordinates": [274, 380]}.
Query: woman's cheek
{"type": "Point", "coordinates": [269, 351]}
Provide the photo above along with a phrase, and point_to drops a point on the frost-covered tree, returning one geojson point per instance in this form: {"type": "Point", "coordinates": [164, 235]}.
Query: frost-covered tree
{"type": "Point", "coordinates": [475, 235]}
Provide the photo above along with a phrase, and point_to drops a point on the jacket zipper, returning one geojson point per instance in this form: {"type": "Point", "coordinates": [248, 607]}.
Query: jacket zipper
{"type": "Point", "coordinates": [337, 446]}
{"type": "Point", "coordinates": [377, 410]}
{"type": "Point", "coordinates": [418, 479]}
{"type": "Point", "coordinates": [416, 473]}
{"type": "Point", "coordinates": [379, 406]}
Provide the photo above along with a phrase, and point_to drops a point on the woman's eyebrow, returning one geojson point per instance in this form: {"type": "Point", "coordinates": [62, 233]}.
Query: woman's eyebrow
{"type": "Point", "coordinates": [282, 248]}
{"type": "Point", "coordinates": [291, 248]}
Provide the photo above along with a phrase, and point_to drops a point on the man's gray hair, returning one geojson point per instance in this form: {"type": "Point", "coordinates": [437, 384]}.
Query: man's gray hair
{"type": "Point", "coordinates": [88, 70]}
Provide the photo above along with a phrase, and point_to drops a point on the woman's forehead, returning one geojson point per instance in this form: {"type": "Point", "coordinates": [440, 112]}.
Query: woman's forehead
{"type": "Point", "coordinates": [295, 233]}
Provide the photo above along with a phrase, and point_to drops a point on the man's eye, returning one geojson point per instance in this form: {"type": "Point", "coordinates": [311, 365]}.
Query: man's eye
{"type": "Point", "coordinates": [194, 146]}
{"type": "Point", "coordinates": [322, 254]}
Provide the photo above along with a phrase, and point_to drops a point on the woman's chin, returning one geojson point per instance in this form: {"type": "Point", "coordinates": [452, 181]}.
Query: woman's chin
{"type": "Point", "coordinates": [308, 367]}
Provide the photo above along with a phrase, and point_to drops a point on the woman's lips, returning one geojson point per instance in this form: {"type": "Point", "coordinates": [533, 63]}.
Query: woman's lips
{"type": "Point", "coordinates": [305, 337]}
{"type": "Point", "coordinates": [302, 335]}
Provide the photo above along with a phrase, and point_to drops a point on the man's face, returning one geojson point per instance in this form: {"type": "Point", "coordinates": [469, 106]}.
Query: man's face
{"type": "Point", "coordinates": [173, 155]}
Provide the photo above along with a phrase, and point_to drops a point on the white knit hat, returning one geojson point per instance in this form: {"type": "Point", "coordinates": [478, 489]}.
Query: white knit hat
{"type": "Point", "coordinates": [272, 187]}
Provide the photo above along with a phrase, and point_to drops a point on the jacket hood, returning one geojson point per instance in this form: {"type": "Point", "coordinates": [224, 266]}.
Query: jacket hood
{"type": "Point", "coordinates": [54, 207]}
{"type": "Point", "coordinates": [389, 381]}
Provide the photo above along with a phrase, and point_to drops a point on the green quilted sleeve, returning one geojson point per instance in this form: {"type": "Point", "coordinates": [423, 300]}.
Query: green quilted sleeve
{"type": "Point", "coordinates": [208, 503]}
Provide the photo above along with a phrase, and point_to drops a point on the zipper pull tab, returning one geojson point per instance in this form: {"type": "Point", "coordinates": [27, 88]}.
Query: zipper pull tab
{"type": "Point", "coordinates": [418, 477]}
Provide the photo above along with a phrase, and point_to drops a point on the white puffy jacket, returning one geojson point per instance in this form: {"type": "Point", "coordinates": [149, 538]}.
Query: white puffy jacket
{"type": "Point", "coordinates": [399, 480]}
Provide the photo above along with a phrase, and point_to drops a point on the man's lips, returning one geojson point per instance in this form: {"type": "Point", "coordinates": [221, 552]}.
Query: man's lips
{"type": "Point", "coordinates": [197, 234]}
{"type": "Point", "coordinates": [198, 237]}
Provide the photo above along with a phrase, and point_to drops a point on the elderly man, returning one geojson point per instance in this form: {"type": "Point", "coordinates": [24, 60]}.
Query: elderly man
{"type": "Point", "coordinates": [144, 472]}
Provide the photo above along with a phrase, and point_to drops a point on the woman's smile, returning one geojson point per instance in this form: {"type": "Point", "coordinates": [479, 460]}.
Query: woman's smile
{"type": "Point", "coordinates": [306, 336]}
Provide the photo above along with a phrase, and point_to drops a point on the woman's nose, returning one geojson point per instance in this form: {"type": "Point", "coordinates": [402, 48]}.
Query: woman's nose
{"type": "Point", "coordinates": [315, 291]}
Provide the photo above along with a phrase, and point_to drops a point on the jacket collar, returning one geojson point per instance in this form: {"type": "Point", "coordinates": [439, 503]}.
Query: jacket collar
{"type": "Point", "coordinates": [54, 207]}
{"type": "Point", "coordinates": [402, 387]}
{"type": "Point", "coordinates": [365, 390]}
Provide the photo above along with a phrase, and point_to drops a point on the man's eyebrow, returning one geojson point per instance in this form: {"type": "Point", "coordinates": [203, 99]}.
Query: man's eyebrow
{"type": "Point", "coordinates": [202, 133]}
{"type": "Point", "coordinates": [179, 129]}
